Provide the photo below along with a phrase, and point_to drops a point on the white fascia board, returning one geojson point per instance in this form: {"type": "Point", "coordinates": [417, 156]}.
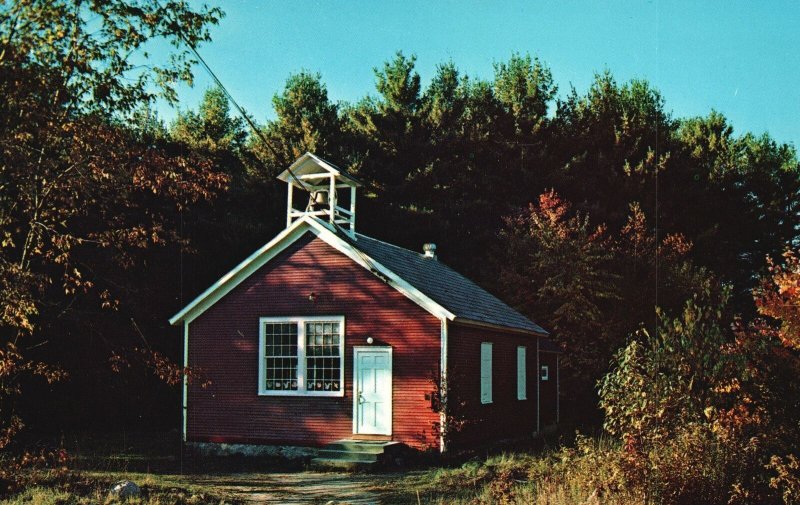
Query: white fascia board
{"type": "Point", "coordinates": [243, 270]}
{"type": "Point", "coordinates": [324, 164]}
{"type": "Point", "coordinates": [395, 281]}
{"type": "Point", "coordinates": [307, 223]}
{"type": "Point", "coordinates": [185, 402]}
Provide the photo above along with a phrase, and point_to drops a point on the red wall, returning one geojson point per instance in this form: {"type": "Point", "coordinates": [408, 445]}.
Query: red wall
{"type": "Point", "coordinates": [224, 343]}
{"type": "Point", "coordinates": [506, 417]}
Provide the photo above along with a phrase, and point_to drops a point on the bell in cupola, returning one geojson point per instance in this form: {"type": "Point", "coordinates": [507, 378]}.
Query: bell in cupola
{"type": "Point", "coordinates": [331, 193]}
{"type": "Point", "coordinates": [318, 201]}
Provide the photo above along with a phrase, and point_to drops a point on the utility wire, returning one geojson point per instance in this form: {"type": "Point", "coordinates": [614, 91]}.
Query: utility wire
{"type": "Point", "coordinates": [238, 107]}
{"type": "Point", "coordinates": [265, 141]}
{"type": "Point", "coordinates": [336, 226]}
{"type": "Point", "coordinates": [369, 262]}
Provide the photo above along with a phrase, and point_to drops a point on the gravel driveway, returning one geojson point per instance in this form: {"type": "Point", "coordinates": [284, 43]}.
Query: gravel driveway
{"type": "Point", "coordinates": [300, 487]}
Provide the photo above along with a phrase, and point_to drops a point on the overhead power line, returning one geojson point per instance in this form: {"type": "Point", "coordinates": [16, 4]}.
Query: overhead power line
{"type": "Point", "coordinates": [238, 107]}
{"type": "Point", "coordinates": [260, 134]}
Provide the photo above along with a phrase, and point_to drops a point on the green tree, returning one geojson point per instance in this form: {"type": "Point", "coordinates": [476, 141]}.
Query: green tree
{"type": "Point", "coordinates": [525, 88]}
{"type": "Point", "coordinates": [612, 142]}
{"type": "Point", "coordinates": [307, 121]}
{"type": "Point", "coordinates": [211, 128]}
{"type": "Point", "coordinates": [738, 197]}
{"type": "Point", "coordinates": [391, 128]}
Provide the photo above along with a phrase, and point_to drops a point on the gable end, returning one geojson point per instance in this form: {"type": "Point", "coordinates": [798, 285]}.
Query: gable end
{"type": "Point", "coordinates": [284, 239]}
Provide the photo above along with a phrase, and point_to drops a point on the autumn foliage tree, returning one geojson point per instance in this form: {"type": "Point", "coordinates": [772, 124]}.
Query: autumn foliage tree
{"type": "Point", "coordinates": [778, 297]}
{"type": "Point", "coordinates": [80, 197]}
{"type": "Point", "coordinates": [715, 391]}
{"type": "Point", "coordinates": [591, 287]}
{"type": "Point", "coordinates": [559, 265]}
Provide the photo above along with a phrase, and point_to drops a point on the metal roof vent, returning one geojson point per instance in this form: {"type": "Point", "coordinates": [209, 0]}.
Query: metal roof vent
{"type": "Point", "coordinates": [429, 250]}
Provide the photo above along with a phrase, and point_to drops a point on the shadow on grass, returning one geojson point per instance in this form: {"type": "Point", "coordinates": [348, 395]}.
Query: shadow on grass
{"type": "Point", "coordinates": [150, 452]}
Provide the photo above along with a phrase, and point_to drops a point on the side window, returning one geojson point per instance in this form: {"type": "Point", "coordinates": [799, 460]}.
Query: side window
{"type": "Point", "coordinates": [522, 374]}
{"type": "Point", "coordinates": [545, 372]}
{"type": "Point", "coordinates": [486, 372]}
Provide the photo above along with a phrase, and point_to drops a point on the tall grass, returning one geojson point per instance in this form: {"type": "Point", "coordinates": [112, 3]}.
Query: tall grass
{"type": "Point", "coordinates": [587, 473]}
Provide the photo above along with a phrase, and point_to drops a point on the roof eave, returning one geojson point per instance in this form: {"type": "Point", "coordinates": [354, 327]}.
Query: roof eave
{"type": "Point", "coordinates": [287, 175]}
{"type": "Point", "coordinates": [197, 306]}
{"type": "Point", "coordinates": [498, 327]}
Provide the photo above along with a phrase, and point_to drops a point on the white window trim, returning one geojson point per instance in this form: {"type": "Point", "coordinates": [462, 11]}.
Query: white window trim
{"type": "Point", "coordinates": [522, 373]}
{"type": "Point", "coordinates": [301, 355]}
{"type": "Point", "coordinates": [486, 379]}
{"type": "Point", "coordinates": [544, 372]}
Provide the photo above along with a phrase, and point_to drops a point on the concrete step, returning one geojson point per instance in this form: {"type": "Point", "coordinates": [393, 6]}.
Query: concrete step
{"type": "Point", "coordinates": [356, 454]}
{"type": "Point", "coordinates": [371, 457]}
{"type": "Point", "coordinates": [359, 446]}
{"type": "Point", "coordinates": [339, 464]}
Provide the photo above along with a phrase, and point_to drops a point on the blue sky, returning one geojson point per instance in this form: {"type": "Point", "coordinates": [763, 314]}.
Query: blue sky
{"type": "Point", "coordinates": [740, 58]}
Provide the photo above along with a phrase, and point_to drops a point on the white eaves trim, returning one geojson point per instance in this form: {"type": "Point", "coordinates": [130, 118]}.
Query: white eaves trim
{"type": "Point", "coordinates": [232, 279]}
{"type": "Point", "coordinates": [300, 167]}
{"type": "Point", "coordinates": [284, 239]}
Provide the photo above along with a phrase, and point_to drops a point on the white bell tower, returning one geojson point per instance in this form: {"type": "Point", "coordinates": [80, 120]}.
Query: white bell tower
{"type": "Point", "coordinates": [325, 188]}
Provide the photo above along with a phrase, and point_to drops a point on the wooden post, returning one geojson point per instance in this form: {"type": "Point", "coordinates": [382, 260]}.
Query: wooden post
{"type": "Point", "coordinates": [289, 206]}
{"type": "Point", "coordinates": [332, 199]}
{"type": "Point", "coordinates": [538, 387]}
{"type": "Point", "coordinates": [558, 392]}
{"type": "Point", "coordinates": [353, 209]}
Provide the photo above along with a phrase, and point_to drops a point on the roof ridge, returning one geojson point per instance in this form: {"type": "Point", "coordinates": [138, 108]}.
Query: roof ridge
{"type": "Point", "coordinates": [393, 245]}
{"type": "Point", "coordinates": [448, 267]}
{"type": "Point", "coordinates": [441, 263]}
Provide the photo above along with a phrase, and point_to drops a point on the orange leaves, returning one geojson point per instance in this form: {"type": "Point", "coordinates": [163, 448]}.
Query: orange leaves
{"type": "Point", "coordinates": [159, 365]}
{"type": "Point", "coordinates": [107, 301]}
{"type": "Point", "coordinates": [20, 472]}
{"type": "Point", "coordinates": [73, 282]}
{"type": "Point", "coordinates": [551, 207]}
{"type": "Point", "coordinates": [12, 364]}
{"type": "Point", "coordinates": [787, 477]}
{"type": "Point", "coordinates": [778, 297]}
{"type": "Point", "coordinates": [92, 188]}
{"type": "Point", "coordinates": [182, 180]}
{"type": "Point", "coordinates": [675, 245]}
{"type": "Point", "coordinates": [18, 292]}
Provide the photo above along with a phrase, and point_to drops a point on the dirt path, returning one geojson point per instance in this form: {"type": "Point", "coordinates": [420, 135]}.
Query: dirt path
{"type": "Point", "coordinates": [301, 487]}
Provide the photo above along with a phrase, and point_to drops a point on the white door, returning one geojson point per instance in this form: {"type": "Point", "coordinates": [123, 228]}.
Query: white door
{"type": "Point", "coordinates": [372, 398]}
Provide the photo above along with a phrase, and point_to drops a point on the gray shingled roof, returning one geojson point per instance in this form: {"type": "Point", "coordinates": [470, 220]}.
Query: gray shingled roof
{"type": "Point", "coordinates": [444, 285]}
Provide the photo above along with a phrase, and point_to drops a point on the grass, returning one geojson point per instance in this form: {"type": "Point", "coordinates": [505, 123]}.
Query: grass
{"type": "Point", "coordinates": [153, 461]}
{"type": "Point", "coordinates": [565, 476]}
{"type": "Point", "coordinates": [93, 488]}
{"type": "Point", "coordinates": [570, 475]}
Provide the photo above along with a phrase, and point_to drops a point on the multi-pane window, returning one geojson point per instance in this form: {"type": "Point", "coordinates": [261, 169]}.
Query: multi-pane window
{"type": "Point", "coordinates": [302, 356]}
{"type": "Point", "coordinates": [280, 356]}
{"type": "Point", "coordinates": [323, 360]}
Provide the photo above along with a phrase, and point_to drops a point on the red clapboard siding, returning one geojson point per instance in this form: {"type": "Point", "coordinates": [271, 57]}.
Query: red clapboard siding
{"type": "Point", "coordinates": [506, 416]}
{"type": "Point", "coordinates": [223, 342]}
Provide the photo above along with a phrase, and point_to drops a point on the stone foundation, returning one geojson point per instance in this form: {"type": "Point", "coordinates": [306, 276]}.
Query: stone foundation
{"type": "Point", "coordinates": [282, 451]}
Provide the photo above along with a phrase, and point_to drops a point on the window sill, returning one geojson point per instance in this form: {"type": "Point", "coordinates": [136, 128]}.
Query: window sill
{"type": "Point", "coordinates": [333, 394]}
